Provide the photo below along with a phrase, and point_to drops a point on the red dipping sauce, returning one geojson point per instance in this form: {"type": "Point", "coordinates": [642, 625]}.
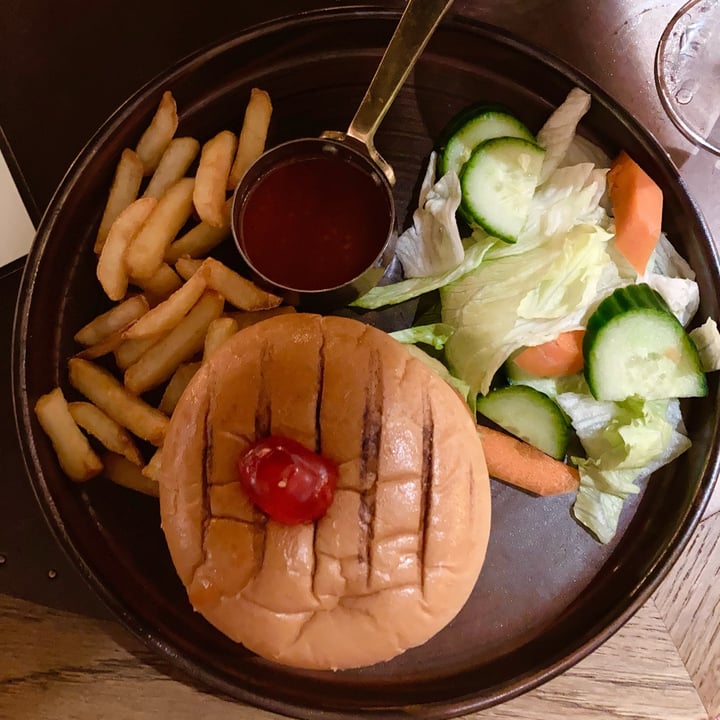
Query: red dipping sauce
{"type": "Point", "coordinates": [314, 222]}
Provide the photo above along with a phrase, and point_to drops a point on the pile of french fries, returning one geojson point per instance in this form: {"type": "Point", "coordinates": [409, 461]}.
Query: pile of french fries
{"type": "Point", "coordinates": [175, 305]}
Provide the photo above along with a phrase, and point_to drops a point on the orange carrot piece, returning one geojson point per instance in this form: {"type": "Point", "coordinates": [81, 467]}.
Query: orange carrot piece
{"type": "Point", "coordinates": [555, 358]}
{"type": "Point", "coordinates": [637, 204]}
{"type": "Point", "coordinates": [518, 463]}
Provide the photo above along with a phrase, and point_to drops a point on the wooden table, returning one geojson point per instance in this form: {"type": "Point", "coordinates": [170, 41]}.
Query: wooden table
{"type": "Point", "coordinates": [60, 658]}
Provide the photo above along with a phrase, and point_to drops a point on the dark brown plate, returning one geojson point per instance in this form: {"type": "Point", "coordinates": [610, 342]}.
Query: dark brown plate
{"type": "Point", "coordinates": [549, 594]}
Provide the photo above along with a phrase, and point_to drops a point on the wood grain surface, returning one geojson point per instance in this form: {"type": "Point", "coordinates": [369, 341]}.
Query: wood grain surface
{"type": "Point", "coordinates": [689, 601]}
{"type": "Point", "coordinates": [61, 665]}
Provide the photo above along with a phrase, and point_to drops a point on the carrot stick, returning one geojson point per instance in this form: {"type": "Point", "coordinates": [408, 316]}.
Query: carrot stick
{"type": "Point", "coordinates": [555, 358]}
{"type": "Point", "coordinates": [517, 463]}
{"type": "Point", "coordinates": [637, 204]}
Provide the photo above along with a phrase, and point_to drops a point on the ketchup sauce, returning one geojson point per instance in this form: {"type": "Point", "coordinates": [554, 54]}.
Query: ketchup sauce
{"type": "Point", "coordinates": [288, 482]}
{"type": "Point", "coordinates": [315, 222]}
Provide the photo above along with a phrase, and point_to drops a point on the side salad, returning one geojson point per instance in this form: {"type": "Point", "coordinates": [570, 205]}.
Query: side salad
{"type": "Point", "coordinates": [552, 300]}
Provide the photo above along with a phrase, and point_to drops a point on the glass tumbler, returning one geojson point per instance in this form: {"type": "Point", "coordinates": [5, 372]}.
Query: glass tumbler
{"type": "Point", "coordinates": [687, 72]}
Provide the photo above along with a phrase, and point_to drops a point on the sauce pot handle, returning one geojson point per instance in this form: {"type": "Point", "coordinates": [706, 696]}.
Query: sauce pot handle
{"type": "Point", "coordinates": [416, 26]}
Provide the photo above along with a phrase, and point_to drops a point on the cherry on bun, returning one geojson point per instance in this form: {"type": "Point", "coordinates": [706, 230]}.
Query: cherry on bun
{"type": "Point", "coordinates": [396, 554]}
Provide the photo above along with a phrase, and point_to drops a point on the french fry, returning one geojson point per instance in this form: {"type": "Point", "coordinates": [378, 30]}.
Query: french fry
{"type": "Point", "coordinates": [109, 344]}
{"type": "Point", "coordinates": [77, 459]}
{"type": "Point", "coordinates": [111, 435]}
{"type": "Point", "coordinates": [174, 163]}
{"type": "Point", "coordinates": [124, 189]}
{"type": "Point", "coordinates": [117, 318]}
{"type": "Point", "coordinates": [251, 142]}
{"type": "Point", "coordinates": [103, 390]}
{"type": "Point", "coordinates": [111, 268]}
{"type": "Point", "coordinates": [163, 283]}
{"type": "Point", "coordinates": [178, 346]}
{"type": "Point", "coordinates": [121, 471]}
{"type": "Point", "coordinates": [158, 134]}
{"type": "Point", "coordinates": [200, 240]}
{"type": "Point", "coordinates": [237, 290]}
{"type": "Point", "coordinates": [211, 178]}
{"type": "Point", "coordinates": [147, 249]}
{"type": "Point", "coordinates": [217, 333]}
{"type": "Point", "coordinates": [518, 463]}
{"type": "Point", "coordinates": [130, 351]}
{"type": "Point", "coordinates": [248, 318]}
{"type": "Point", "coordinates": [152, 470]}
{"type": "Point", "coordinates": [167, 314]}
{"type": "Point", "coordinates": [187, 267]}
{"type": "Point", "coordinates": [175, 388]}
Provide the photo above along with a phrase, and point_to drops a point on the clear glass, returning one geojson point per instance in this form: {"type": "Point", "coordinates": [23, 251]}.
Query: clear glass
{"type": "Point", "coordinates": [687, 72]}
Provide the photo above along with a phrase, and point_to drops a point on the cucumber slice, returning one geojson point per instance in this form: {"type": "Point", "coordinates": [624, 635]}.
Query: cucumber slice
{"type": "Point", "coordinates": [498, 183]}
{"type": "Point", "coordinates": [634, 345]}
{"type": "Point", "coordinates": [530, 415]}
{"type": "Point", "coordinates": [474, 126]}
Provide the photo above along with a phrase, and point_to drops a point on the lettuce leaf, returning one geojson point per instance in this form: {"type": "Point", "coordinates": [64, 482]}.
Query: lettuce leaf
{"type": "Point", "coordinates": [624, 443]}
{"type": "Point", "coordinates": [436, 335]}
{"type": "Point", "coordinates": [582, 150]}
{"type": "Point", "coordinates": [432, 245]}
{"type": "Point", "coordinates": [707, 340]}
{"type": "Point", "coordinates": [551, 386]}
{"type": "Point", "coordinates": [666, 260]}
{"type": "Point", "coordinates": [669, 273]}
{"type": "Point", "coordinates": [413, 287]}
{"type": "Point", "coordinates": [570, 196]}
{"type": "Point", "coordinates": [597, 510]}
{"type": "Point", "coordinates": [682, 295]}
{"type": "Point", "coordinates": [558, 132]}
{"type": "Point", "coordinates": [511, 301]}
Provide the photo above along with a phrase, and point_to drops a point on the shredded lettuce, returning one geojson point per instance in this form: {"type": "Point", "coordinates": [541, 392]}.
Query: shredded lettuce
{"type": "Point", "coordinates": [681, 295]}
{"type": "Point", "coordinates": [511, 301]}
{"type": "Point", "coordinates": [666, 260]}
{"type": "Point", "coordinates": [669, 274]}
{"type": "Point", "coordinates": [582, 150]}
{"type": "Point", "coordinates": [550, 386]}
{"type": "Point", "coordinates": [624, 442]}
{"type": "Point", "coordinates": [596, 507]}
{"type": "Point", "coordinates": [432, 245]}
{"type": "Point", "coordinates": [570, 196]}
{"type": "Point", "coordinates": [707, 340]}
{"type": "Point", "coordinates": [413, 287]}
{"type": "Point", "coordinates": [436, 335]}
{"type": "Point", "coordinates": [558, 132]}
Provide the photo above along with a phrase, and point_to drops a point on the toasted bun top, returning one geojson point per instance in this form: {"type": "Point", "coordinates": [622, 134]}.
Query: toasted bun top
{"type": "Point", "coordinates": [400, 549]}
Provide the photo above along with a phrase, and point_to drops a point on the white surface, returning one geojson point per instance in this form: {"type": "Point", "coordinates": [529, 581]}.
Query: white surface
{"type": "Point", "coordinates": [16, 230]}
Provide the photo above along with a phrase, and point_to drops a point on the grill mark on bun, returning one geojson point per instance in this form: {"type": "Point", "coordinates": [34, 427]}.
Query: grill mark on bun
{"type": "Point", "coordinates": [318, 403]}
{"type": "Point", "coordinates": [318, 449]}
{"type": "Point", "coordinates": [316, 561]}
{"type": "Point", "coordinates": [263, 414]}
{"type": "Point", "coordinates": [369, 461]}
{"type": "Point", "coordinates": [426, 485]}
{"type": "Point", "coordinates": [240, 521]}
{"type": "Point", "coordinates": [244, 442]}
{"type": "Point", "coordinates": [205, 474]}
{"type": "Point", "coordinates": [259, 543]}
